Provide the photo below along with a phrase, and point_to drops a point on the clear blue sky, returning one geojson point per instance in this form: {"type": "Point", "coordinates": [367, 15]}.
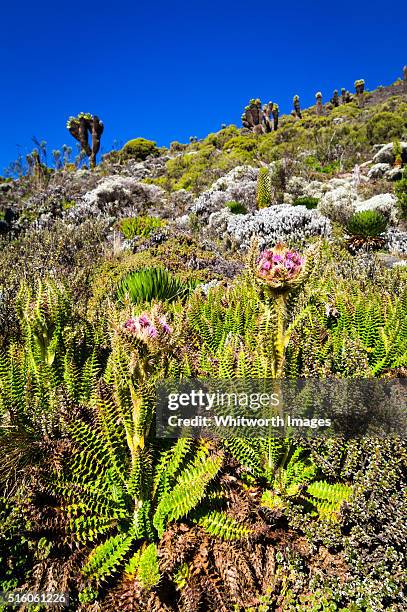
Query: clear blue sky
{"type": "Point", "coordinates": [168, 70]}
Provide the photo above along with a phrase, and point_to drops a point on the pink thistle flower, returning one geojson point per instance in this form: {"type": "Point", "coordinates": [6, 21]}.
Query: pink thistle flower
{"type": "Point", "coordinates": [148, 326]}
{"type": "Point", "coordinates": [279, 267]}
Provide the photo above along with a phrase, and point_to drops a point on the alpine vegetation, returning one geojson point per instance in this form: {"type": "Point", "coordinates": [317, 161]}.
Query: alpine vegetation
{"type": "Point", "coordinates": [271, 255]}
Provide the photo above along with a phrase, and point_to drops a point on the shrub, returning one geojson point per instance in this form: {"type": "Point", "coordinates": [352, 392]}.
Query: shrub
{"type": "Point", "coordinates": [308, 202]}
{"type": "Point", "coordinates": [401, 193]}
{"type": "Point", "coordinates": [139, 149]}
{"type": "Point", "coordinates": [385, 126]}
{"type": "Point", "coordinates": [242, 143]}
{"type": "Point", "coordinates": [328, 168]}
{"type": "Point", "coordinates": [398, 153]}
{"type": "Point", "coordinates": [367, 223]}
{"type": "Point", "coordinates": [236, 208]}
{"type": "Point", "coordinates": [139, 226]}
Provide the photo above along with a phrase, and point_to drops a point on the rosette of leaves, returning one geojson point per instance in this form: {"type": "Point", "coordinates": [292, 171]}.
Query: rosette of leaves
{"type": "Point", "coordinates": [288, 475]}
{"type": "Point", "coordinates": [118, 489]}
{"type": "Point", "coordinates": [236, 207]}
{"type": "Point", "coordinates": [365, 228]}
{"type": "Point", "coordinates": [54, 366]}
{"type": "Point", "coordinates": [150, 284]}
{"type": "Point", "coordinates": [307, 201]}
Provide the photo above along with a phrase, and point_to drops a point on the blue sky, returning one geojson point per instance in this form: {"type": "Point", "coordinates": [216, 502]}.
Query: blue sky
{"type": "Point", "coordinates": [169, 70]}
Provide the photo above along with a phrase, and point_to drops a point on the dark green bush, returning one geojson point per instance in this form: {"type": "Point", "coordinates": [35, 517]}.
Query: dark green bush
{"type": "Point", "coordinates": [326, 168]}
{"type": "Point", "coordinates": [367, 223]}
{"type": "Point", "coordinates": [308, 202]}
{"type": "Point", "coordinates": [236, 207]}
{"type": "Point", "coordinates": [139, 149]}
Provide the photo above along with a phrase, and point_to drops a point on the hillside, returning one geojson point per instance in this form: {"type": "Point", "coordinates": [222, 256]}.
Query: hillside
{"type": "Point", "coordinates": [273, 252]}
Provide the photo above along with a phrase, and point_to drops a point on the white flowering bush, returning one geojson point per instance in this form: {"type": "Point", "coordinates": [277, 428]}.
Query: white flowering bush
{"type": "Point", "coordinates": [339, 204]}
{"type": "Point", "coordinates": [239, 185]}
{"type": "Point", "coordinates": [281, 223]}
{"type": "Point", "coordinates": [116, 195]}
{"type": "Point", "coordinates": [385, 203]}
{"type": "Point", "coordinates": [396, 241]}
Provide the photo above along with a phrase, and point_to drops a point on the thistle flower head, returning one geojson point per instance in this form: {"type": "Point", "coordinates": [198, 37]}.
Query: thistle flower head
{"type": "Point", "coordinates": [148, 326]}
{"type": "Point", "coordinates": [279, 268]}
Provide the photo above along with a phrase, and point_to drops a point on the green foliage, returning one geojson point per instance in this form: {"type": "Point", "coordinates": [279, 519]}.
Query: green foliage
{"type": "Point", "coordinates": [14, 544]}
{"type": "Point", "coordinates": [236, 208]}
{"type": "Point", "coordinates": [188, 491]}
{"type": "Point", "coordinates": [53, 366]}
{"type": "Point", "coordinates": [241, 144]}
{"type": "Point", "coordinates": [263, 197]}
{"type": "Point", "coordinates": [239, 334]}
{"type": "Point", "coordinates": [125, 512]}
{"type": "Point", "coordinates": [385, 126]}
{"type": "Point", "coordinates": [288, 473]}
{"type": "Point", "coordinates": [43, 317]}
{"type": "Point", "coordinates": [329, 168]}
{"type": "Point", "coordinates": [152, 284]}
{"type": "Point", "coordinates": [148, 571]}
{"type": "Point", "coordinates": [327, 498]}
{"type": "Point", "coordinates": [139, 149]}
{"type": "Point", "coordinates": [398, 151]}
{"type": "Point", "coordinates": [139, 226]}
{"type": "Point", "coordinates": [362, 333]}
{"type": "Point", "coordinates": [221, 525]}
{"type": "Point", "coordinates": [209, 159]}
{"type": "Point", "coordinates": [118, 486]}
{"type": "Point", "coordinates": [282, 465]}
{"type": "Point", "coordinates": [401, 193]}
{"type": "Point", "coordinates": [308, 202]}
{"type": "Point", "coordinates": [114, 484]}
{"type": "Point", "coordinates": [367, 223]}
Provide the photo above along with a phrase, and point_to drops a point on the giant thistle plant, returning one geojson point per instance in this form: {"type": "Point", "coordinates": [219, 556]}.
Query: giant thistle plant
{"type": "Point", "coordinates": [278, 274]}
{"type": "Point", "coordinates": [116, 487]}
{"type": "Point", "coordinates": [242, 331]}
{"type": "Point", "coordinates": [119, 488]}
